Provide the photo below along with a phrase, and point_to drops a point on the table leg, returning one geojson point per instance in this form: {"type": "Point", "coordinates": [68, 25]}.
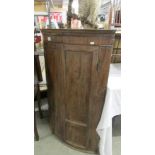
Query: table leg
{"type": "Point", "coordinates": [35, 128]}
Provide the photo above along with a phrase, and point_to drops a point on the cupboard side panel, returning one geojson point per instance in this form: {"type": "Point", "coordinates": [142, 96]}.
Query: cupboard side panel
{"type": "Point", "coordinates": [56, 78]}
{"type": "Point", "coordinates": [100, 71]}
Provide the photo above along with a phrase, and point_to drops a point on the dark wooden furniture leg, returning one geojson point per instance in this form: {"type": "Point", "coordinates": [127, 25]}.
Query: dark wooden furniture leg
{"type": "Point", "coordinates": [35, 128]}
{"type": "Point", "coordinates": [39, 104]}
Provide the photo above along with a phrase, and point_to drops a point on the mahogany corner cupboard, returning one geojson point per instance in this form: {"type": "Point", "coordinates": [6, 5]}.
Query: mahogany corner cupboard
{"type": "Point", "coordinates": [77, 66]}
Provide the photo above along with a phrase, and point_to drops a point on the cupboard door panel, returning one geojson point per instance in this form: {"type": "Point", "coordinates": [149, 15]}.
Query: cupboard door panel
{"type": "Point", "coordinates": [78, 76]}
{"type": "Point", "coordinates": [76, 135]}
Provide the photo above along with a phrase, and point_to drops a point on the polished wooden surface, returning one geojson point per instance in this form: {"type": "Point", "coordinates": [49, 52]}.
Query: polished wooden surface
{"type": "Point", "coordinates": [77, 67]}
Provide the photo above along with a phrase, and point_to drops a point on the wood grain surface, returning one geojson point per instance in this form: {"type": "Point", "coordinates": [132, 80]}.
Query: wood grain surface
{"type": "Point", "coordinates": [77, 74]}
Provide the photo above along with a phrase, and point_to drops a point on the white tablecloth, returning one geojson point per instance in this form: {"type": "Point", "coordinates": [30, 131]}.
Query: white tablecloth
{"type": "Point", "coordinates": [112, 107]}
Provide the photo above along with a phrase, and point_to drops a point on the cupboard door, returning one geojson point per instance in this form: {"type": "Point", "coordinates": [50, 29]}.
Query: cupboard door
{"type": "Point", "coordinates": [78, 67]}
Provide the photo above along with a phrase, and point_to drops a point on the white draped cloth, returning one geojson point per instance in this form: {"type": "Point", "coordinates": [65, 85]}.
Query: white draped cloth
{"type": "Point", "coordinates": [112, 107]}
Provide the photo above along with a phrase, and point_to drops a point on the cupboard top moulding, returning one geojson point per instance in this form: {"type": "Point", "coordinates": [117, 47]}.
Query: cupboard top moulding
{"type": "Point", "coordinates": [80, 37]}
{"type": "Point", "coordinates": [77, 67]}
